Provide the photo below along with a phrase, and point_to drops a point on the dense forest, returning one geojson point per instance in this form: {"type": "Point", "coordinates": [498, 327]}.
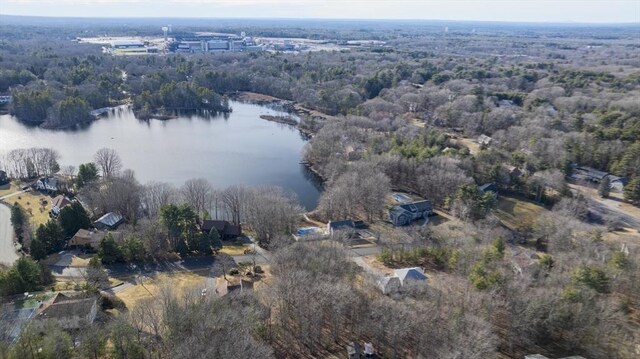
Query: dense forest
{"type": "Point", "coordinates": [400, 116]}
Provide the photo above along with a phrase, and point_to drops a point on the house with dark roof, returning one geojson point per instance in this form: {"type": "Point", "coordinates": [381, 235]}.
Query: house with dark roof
{"type": "Point", "coordinates": [4, 179]}
{"type": "Point", "coordinates": [225, 229]}
{"type": "Point", "coordinates": [48, 184]}
{"type": "Point", "coordinates": [58, 203]}
{"type": "Point", "coordinates": [109, 221]}
{"type": "Point", "coordinates": [488, 188]}
{"type": "Point", "coordinates": [403, 214]}
{"type": "Point", "coordinates": [591, 174]}
{"type": "Point", "coordinates": [410, 275]}
{"type": "Point", "coordinates": [346, 225]}
{"type": "Point", "coordinates": [70, 313]}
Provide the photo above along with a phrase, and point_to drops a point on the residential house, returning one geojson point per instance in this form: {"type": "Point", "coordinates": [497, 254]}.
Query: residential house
{"type": "Point", "coordinates": [590, 174]}
{"type": "Point", "coordinates": [402, 215]}
{"type": "Point", "coordinates": [484, 140]}
{"type": "Point", "coordinates": [58, 203]}
{"type": "Point", "coordinates": [389, 285]}
{"type": "Point", "coordinates": [70, 313]}
{"type": "Point", "coordinates": [347, 225]}
{"type": "Point", "coordinates": [109, 221]}
{"type": "Point", "coordinates": [85, 238]}
{"type": "Point", "coordinates": [226, 229]}
{"type": "Point", "coordinates": [49, 184]}
{"type": "Point", "coordinates": [4, 179]}
{"type": "Point", "coordinates": [514, 172]}
{"type": "Point", "coordinates": [489, 188]}
{"type": "Point", "coordinates": [225, 286]}
{"type": "Point", "coordinates": [617, 183]}
{"type": "Point", "coordinates": [410, 275]}
{"type": "Point", "coordinates": [401, 278]}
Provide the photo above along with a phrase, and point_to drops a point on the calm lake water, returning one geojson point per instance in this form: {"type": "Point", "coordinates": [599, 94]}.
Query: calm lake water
{"type": "Point", "coordinates": [239, 149]}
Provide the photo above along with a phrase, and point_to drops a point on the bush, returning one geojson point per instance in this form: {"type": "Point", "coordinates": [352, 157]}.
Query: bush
{"type": "Point", "coordinates": [234, 271]}
{"type": "Point", "coordinates": [258, 270]}
{"type": "Point", "coordinates": [108, 301]}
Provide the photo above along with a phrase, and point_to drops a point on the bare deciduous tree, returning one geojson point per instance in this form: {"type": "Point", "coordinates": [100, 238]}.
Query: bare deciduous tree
{"type": "Point", "coordinates": [109, 162]}
{"type": "Point", "coordinates": [197, 193]}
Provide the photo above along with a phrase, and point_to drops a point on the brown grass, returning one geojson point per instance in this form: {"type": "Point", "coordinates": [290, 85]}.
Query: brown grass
{"type": "Point", "coordinates": [8, 189]}
{"type": "Point", "coordinates": [233, 250]}
{"type": "Point", "coordinates": [30, 201]}
{"type": "Point", "coordinates": [517, 213]}
{"type": "Point", "coordinates": [180, 282]}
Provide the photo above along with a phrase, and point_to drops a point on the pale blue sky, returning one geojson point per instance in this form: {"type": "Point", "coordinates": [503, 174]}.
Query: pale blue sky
{"type": "Point", "coordinates": [590, 11]}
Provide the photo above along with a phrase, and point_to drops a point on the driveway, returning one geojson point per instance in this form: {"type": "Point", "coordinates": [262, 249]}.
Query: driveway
{"type": "Point", "coordinates": [8, 253]}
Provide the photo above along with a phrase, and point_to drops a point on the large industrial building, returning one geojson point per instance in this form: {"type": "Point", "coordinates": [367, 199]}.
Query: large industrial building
{"type": "Point", "coordinates": [214, 43]}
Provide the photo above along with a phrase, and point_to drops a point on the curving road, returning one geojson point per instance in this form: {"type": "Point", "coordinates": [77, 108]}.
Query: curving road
{"type": "Point", "coordinates": [8, 253]}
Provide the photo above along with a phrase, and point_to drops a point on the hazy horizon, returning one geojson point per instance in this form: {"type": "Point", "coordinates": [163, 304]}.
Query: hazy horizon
{"type": "Point", "coordinates": [540, 11]}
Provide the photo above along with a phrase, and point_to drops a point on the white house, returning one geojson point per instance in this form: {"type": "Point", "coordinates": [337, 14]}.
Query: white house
{"type": "Point", "coordinates": [47, 184]}
{"type": "Point", "coordinates": [401, 278]}
{"type": "Point", "coordinates": [410, 275]}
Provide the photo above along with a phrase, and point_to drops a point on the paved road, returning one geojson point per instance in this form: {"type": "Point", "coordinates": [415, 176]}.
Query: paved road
{"type": "Point", "coordinates": [604, 207]}
{"type": "Point", "coordinates": [8, 253]}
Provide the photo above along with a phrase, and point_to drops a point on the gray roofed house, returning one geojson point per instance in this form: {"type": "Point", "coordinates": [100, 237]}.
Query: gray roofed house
{"type": "Point", "coordinates": [484, 140]}
{"type": "Point", "coordinates": [70, 313]}
{"type": "Point", "coordinates": [591, 174]}
{"type": "Point", "coordinates": [346, 225]}
{"type": "Point", "coordinates": [47, 184]}
{"type": "Point", "coordinates": [617, 183]}
{"type": "Point", "coordinates": [4, 179]}
{"type": "Point", "coordinates": [408, 275]}
{"type": "Point", "coordinates": [389, 285]}
{"type": "Point", "coordinates": [403, 214]}
{"type": "Point", "coordinates": [488, 187]}
{"type": "Point", "coordinates": [109, 221]}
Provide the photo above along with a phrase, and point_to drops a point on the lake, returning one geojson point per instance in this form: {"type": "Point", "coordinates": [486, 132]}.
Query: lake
{"type": "Point", "coordinates": [239, 148]}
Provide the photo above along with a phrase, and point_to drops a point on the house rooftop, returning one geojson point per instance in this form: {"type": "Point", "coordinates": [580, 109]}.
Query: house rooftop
{"type": "Point", "coordinates": [60, 201]}
{"type": "Point", "coordinates": [347, 223]}
{"type": "Point", "coordinates": [414, 273]}
{"type": "Point", "coordinates": [110, 219]}
{"type": "Point", "coordinates": [63, 307]}
{"type": "Point", "coordinates": [413, 207]}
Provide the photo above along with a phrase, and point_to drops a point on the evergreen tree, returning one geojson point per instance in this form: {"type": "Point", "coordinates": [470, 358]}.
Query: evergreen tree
{"type": "Point", "coordinates": [632, 190]}
{"type": "Point", "coordinates": [110, 251]}
{"type": "Point", "coordinates": [74, 217]}
{"type": "Point", "coordinates": [51, 235]}
{"type": "Point", "coordinates": [87, 172]}
{"type": "Point", "coordinates": [604, 187]}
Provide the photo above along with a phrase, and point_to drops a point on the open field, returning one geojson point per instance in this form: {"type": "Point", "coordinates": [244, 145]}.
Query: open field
{"type": "Point", "coordinates": [30, 201]}
{"type": "Point", "coordinates": [233, 250]}
{"type": "Point", "coordinates": [180, 282]}
{"type": "Point", "coordinates": [517, 213]}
